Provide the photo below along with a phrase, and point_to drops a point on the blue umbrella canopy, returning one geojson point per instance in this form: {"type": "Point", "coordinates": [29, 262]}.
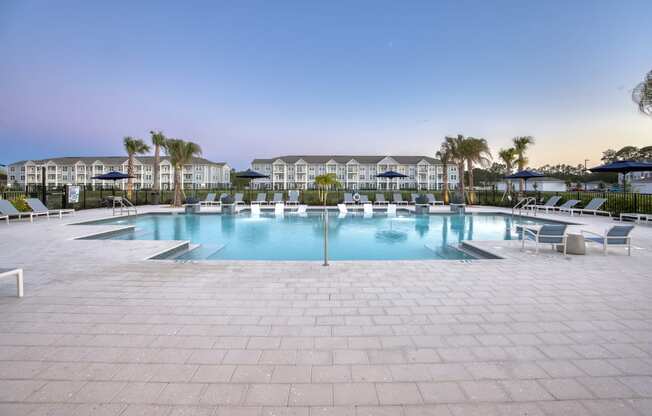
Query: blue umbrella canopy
{"type": "Point", "coordinates": [251, 174]}
{"type": "Point", "coordinates": [112, 176]}
{"type": "Point", "coordinates": [623, 166]}
{"type": "Point", "coordinates": [525, 174]}
{"type": "Point", "coordinates": [391, 174]}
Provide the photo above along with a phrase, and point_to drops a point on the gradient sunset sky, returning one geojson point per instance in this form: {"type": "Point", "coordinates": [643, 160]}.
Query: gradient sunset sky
{"type": "Point", "coordinates": [249, 79]}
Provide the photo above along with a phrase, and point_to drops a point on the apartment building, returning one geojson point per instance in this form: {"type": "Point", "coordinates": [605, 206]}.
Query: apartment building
{"type": "Point", "coordinates": [354, 172]}
{"type": "Point", "coordinates": [202, 173]}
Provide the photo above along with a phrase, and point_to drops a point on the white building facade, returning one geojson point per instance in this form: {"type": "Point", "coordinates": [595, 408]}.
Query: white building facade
{"type": "Point", "coordinates": [60, 171]}
{"type": "Point", "coordinates": [353, 172]}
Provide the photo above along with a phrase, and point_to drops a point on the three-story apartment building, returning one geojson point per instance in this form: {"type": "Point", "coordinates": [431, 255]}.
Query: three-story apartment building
{"type": "Point", "coordinates": [202, 173]}
{"type": "Point", "coordinates": [353, 172]}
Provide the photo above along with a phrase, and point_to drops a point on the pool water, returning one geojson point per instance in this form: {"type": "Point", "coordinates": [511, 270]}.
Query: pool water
{"type": "Point", "coordinates": [294, 237]}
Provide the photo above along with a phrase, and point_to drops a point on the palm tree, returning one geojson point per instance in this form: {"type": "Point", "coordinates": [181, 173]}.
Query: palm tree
{"type": "Point", "coordinates": [181, 153]}
{"type": "Point", "coordinates": [456, 147]}
{"type": "Point", "coordinates": [642, 95]}
{"type": "Point", "coordinates": [508, 157]}
{"type": "Point", "coordinates": [521, 144]}
{"type": "Point", "coordinates": [475, 151]}
{"type": "Point", "coordinates": [158, 140]}
{"type": "Point", "coordinates": [324, 183]}
{"type": "Point", "coordinates": [445, 155]}
{"type": "Point", "coordinates": [133, 147]}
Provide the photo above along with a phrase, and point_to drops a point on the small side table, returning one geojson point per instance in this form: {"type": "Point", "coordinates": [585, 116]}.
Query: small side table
{"type": "Point", "coordinates": [575, 244]}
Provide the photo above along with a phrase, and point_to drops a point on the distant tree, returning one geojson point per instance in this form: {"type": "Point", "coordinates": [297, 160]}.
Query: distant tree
{"type": "Point", "coordinates": [324, 184]}
{"type": "Point", "coordinates": [642, 95]}
{"type": "Point", "coordinates": [181, 153]}
{"type": "Point", "coordinates": [133, 147]}
{"type": "Point", "coordinates": [475, 152]}
{"type": "Point", "coordinates": [445, 155]}
{"type": "Point", "coordinates": [158, 140]}
{"type": "Point", "coordinates": [521, 145]}
{"type": "Point", "coordinates": [508, 156]}
{"type": "Point", "coordinates": [456, 147]}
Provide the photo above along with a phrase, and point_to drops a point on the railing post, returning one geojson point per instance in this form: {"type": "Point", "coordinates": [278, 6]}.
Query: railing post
{"type": "Point", "coordinates": [325, 237]}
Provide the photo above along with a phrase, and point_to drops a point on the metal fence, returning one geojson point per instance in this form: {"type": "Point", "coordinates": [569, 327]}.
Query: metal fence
{"type": "Point", "coordinates": [95, 197]}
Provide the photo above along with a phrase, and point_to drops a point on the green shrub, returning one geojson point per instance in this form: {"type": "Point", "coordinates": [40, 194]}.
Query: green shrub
{"type": "Point", "coordinates": [21, 204]}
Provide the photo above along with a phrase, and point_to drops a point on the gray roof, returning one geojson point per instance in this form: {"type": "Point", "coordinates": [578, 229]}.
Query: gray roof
{"type": "Point", "coordinates": [110, 160]}
{"type": "Point", "coordinates": [404, 160]}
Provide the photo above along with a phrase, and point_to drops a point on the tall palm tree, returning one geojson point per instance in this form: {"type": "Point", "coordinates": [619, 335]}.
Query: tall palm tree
{"type": "Point", "coordinates": [181, 153]}
{"type": "Point", "coordinates": [133, 147]}
{"type": "Point", "coordinates": [324, 183]}
{"type": "Point", "coordinates": [158, 140]}
{"type": "Point", "coordinates": [445, 155]}
{"type": "Point", "coordinates": [508, 157]}
{"type": "Point", "coordinates": [521, 145]}
{"type": "Point", "coordinates": [642, 95]}
{"type": "Point", "coordinates": [456, 147]}
{"type": "Point", "coordinates": [475, 151]}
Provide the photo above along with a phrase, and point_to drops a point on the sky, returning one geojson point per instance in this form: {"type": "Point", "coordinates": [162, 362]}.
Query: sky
{"type": "Point", "coordinates": [248, 79]}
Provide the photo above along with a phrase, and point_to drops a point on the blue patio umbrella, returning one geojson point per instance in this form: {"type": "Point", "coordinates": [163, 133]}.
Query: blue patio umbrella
{"type": "Point", "coordinates": [251, 174]}
{"type": "Point", "coordinates": [112, 176]}
{"type": "Point", "coordinates": [623, 166]}
{"type": "Point", "coordinates": [390, 174]}
{"type": "Point", "coordinates": [525, 175]}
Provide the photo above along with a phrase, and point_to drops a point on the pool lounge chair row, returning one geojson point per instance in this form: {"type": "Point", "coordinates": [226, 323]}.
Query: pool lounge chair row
{"type": "Point", "coordinates": [38, 209]}
{"type": "Point", "coordinates": [555, 235]}
{"type": "Point", "coordinates": [397, 198]}
{"type": "Point", "coordinates": [261, 199]}
{"type": "Point", "coordinates": [593, 207]}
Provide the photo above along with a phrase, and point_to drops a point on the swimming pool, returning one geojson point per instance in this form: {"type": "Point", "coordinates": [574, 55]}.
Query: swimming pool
{"type": "Point", "coordinates": [294, 237]}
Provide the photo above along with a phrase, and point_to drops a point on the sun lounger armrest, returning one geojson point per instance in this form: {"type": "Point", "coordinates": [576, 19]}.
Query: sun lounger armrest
{"type": "Point", "coordinates": [593, 233]}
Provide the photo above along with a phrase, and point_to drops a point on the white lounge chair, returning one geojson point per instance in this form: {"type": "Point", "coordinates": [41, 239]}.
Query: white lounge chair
{"type": "Point", "coordinates": [593, 207]}
{"type": "Point", "coordinates": [367, 210]}
{"type": "Point", "coordinates": [279, 209]}
{"type": "Point", "coordinates": [635, 216]}
{"type": "Point", "coordinates": [348, 198]}
{"type": "Point", "coordinates": [7, 209]}
{"type": "Point", "coordinates": [302, 210]}
{"type": "Point", "coordinates": [397, 198]}
{"type": "Point", "coordinates": [364, 199]}
{"type": "Point", "coordinates": [293, 197]}
{"type": "Point", "coordinates": [342, 209]}
{"type": "Point", "coordinates": [550, 204]}
{"type": "Point", "coordinates": [433, 201]}
{"type": "Point", "coordinates": [255, 210]}
{"type": "Point", "coordinates": [237, 199]}
{"type": "Point", "coordinates": [278, 198]}
{"type": "Point", "coordinates": [391, 210]}
{"type": "Point", "coordinates": [380, 199]}
{"type": "Point", "coordinates": [546, 234]}
{"type": "Point", "coordinates": [618, 235]}
{"type": "Point", "coordinates": [209, 200]}
{"type": "Point", "coordinates": [261, 198]}
{"type": "Point", "coordinates": [413, 198]}
{"type": "Point", "coordinates": [39, 208]}
{"type": "Point", "coordinates": [19, 278]}
{"type": "Point", "coordinates": [567, 206]}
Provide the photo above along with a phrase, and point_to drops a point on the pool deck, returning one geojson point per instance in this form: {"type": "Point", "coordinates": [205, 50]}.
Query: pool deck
{"type": "Point", "coordinates": [101, 331]}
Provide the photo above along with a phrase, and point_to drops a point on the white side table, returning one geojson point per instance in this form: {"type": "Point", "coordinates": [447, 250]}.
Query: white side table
{"type": "Point", "coordinates": [575, 244]}
{"type": "Point", "coordinates": [19, 278]}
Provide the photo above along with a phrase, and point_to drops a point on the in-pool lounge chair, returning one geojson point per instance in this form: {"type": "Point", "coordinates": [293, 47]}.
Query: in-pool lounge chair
{"type": "Point", "coordinates": [293, 197]}
{"type": "Point", "coordinates": [279, 209]}
{"type": "Point", "coordinates": [567, 206]}
{"type": "Point", "coordinates": [367, 210]}
{"type": "Point", "coordinates": [391, 210]}
{"type": "Point", "coordinates": [618, 235]}
{"type": "Point", "coordinates": [593, 207]}
{"type": "Point", "coordinates": [209, 200]}
{"type": "Point", "coordinates": [7, 209]}
{"type": "Point", "coordinates": [364, 199]}
{"type": "Point", "coordinates": [380, 199]}
{"type": "Point", "coordinates": [554, 234]}
{"type": "Point", "coordinates": [637, 217]}
{"type": "Point", "coordinates": [342, 209]}
{"type": "Point", "coordinates": [278, 198]}
{"type": "Point", "coordinates": [261, 198]}
{"type": "Point", "coordinates": [302, 210]}
{"type": "Point", "coordinates": [39, 208]}
{"type": "Point", "coordinates": [237, 199]}
{"type": "Point", "coordinates": [255, 210]}
{"type": "Point", "coordinates": [397, 198]}
{"type": "Point", "coordinates": [550, 204]}
{"type": "Point", "coordinates": [348, 199]}
{"type": "Point", "coordinates": [433, 201]}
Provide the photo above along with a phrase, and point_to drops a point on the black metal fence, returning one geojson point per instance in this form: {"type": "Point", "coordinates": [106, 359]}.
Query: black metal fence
{"type": "Point", "coordinates": [95, 197]}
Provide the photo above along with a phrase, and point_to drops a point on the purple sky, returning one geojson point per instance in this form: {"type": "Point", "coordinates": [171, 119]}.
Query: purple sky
{"type": "Point", "coordinates": [258, 78]}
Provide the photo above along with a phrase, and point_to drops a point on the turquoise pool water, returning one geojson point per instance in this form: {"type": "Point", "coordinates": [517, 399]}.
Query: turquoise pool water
{"type": "Point", "coordinates": [293, 237]}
